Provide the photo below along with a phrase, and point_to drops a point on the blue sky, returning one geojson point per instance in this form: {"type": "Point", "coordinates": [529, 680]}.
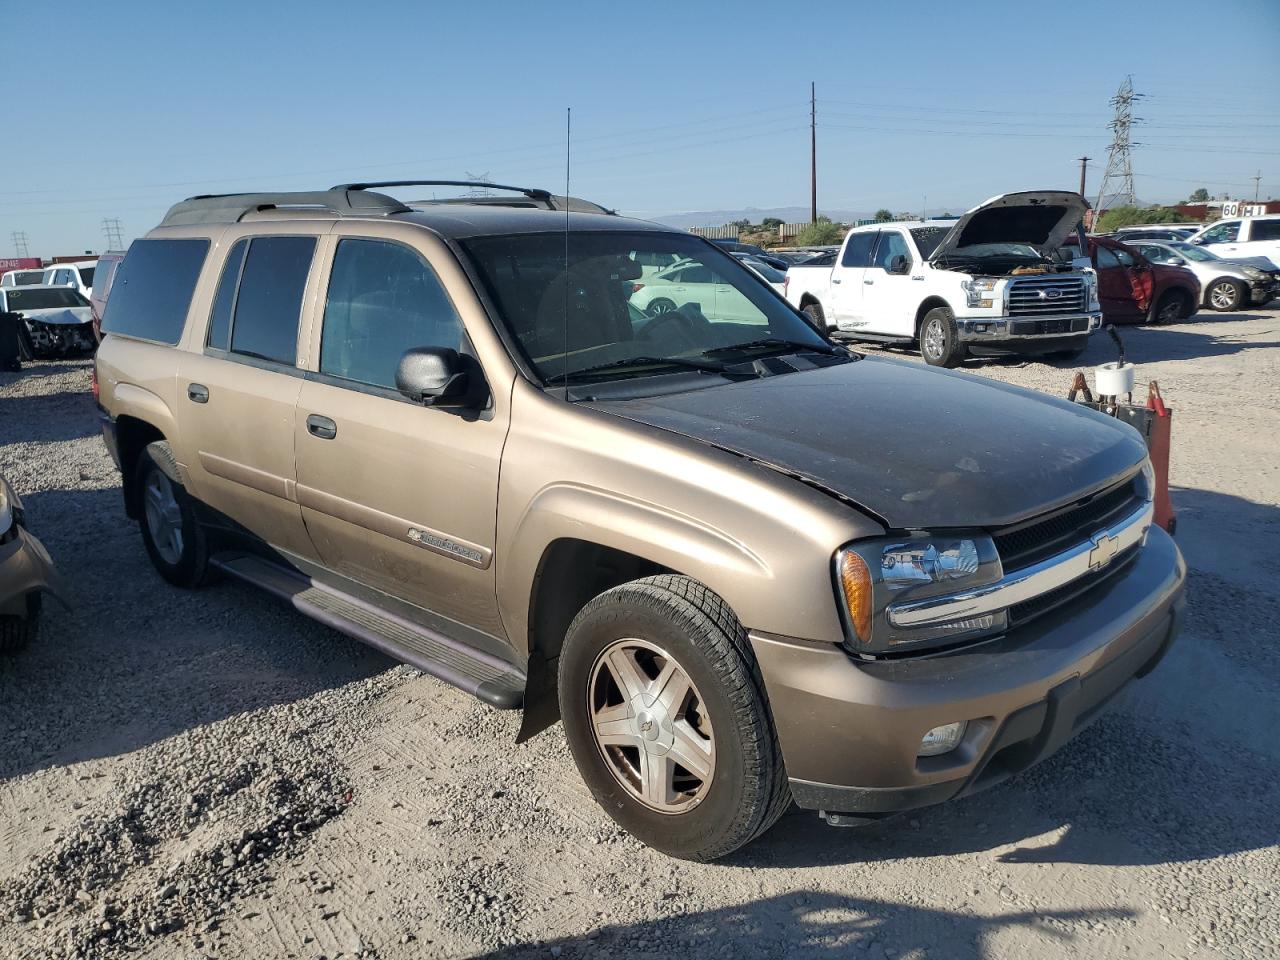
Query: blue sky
{"type": "Point", "coordinates": [676, 107]}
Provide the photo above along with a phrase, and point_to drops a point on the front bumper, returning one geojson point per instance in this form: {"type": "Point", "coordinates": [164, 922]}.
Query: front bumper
{"type": "Point", "coordinates": [1018, 333]}
{"type": "Point", "coordinates": [1261, 293]}
{"type": "Point", "coordinates": [850, 730]}
{"type": "Point", "coordinates": [60, 338]}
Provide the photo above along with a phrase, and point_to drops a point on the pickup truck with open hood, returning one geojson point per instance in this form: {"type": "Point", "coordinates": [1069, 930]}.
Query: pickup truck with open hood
{"type": "Point", "coordinates": [987, 283]}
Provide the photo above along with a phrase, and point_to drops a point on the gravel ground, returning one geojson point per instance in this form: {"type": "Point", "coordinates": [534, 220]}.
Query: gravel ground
{"type": "Point", "coordinates": [212, 775]}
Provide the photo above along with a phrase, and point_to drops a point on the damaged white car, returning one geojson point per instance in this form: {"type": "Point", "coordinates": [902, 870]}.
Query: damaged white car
{"type": "Point", "coordinates": [56, 321]}
{"type": "Point", "coordinates": [987, 283]}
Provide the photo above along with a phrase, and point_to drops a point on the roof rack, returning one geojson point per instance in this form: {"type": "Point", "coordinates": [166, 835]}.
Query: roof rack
{"type": "Point", "coordinates": [232, 207]}
{"type": "Point", "coordinates": [536, 194]}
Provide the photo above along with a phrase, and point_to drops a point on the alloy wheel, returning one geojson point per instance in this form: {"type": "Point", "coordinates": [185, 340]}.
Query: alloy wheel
{"type": "Point", "coordinates": [650, 726]}
{"type": "Point", "coordinates": [1223, 295]}
{"type": "Point", "coordinates": [164, 516]}
{"type": "Point", "coordinates": [933, 338]}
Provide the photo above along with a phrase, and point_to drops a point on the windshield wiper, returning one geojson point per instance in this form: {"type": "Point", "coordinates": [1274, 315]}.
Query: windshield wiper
{"type": "Point", "coordinates": [699, 365]}
{"type": "Point", "coordinates": [779, 343]}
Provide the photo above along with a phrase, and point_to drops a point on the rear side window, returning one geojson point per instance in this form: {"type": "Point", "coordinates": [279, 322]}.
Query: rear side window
{"type": "Point", "coordinates": [269, 299]}
{"type": "Point", "coordinates": [152, 289]}
{"type": "Point", "coordinates": [225, 301]}
{"type": "Point", "coordinates": [383, 299]}
{"type": "Point", "coordinates": [857, 252]}
{"type": "Point", "coordinates": [1265, 230]}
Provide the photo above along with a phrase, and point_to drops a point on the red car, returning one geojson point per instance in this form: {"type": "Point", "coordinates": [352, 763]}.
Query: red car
{"type": "Point", "coordinates": [1132, 289]}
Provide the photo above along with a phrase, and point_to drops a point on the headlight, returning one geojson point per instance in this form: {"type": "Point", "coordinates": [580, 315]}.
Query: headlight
{"type": "Point", "coordinates": [1147, 483]}
{"type": "Point", "coordinates": [1091, 289]}
{"type": "Point", "coordinates": [1253, 273]}
{"type": "Point", "coordinates": [977, 293]}
{"type": "Point", "coordinates": [876, 573]}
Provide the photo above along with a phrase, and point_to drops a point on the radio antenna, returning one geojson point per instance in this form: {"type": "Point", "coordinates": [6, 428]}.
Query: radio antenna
{"type": "Point", "coordinates": [568, 127]}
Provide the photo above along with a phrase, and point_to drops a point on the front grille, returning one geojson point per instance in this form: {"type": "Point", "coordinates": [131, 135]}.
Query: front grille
{"type": "Point", "coordinates": [1027, 543]}
{"type": "Point", "coordinates": [1030, 296]}
{"type": "Point", "coordinates": [1022, 612]}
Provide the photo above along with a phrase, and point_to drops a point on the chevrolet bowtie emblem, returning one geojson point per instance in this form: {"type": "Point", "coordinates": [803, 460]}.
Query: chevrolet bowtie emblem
{"type": "Point", "coordinates": [1104, 548]}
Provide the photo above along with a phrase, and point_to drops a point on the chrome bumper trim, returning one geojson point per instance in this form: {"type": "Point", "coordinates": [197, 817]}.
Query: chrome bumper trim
{"type": "Point", "coordinates": [1031, 582]}
{"type": "Point", "coordinates": [998, 327]}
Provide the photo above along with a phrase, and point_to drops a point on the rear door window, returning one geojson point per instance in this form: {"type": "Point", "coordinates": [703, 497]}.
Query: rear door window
{"type": "Point", "coordinates": [857, 252]}
{"type": "Point", "coordinates": [269, 298]}
{"type": "Point", "coordinates": [1265, 230]}
{"type": "Point", "coordinates": [383, 300]}
{"type": "Point", "coordinates": [224, 303]}
{"type": "Point", "coordinates": [152, 290]}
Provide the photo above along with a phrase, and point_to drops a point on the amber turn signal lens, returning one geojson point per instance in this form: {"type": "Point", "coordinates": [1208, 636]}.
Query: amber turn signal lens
{"type": "Point", "coordinates": [855, 580]}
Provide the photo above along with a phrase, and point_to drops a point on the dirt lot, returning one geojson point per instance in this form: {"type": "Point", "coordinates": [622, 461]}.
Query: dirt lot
{"type": "Point", "coordinates": [210, 774]}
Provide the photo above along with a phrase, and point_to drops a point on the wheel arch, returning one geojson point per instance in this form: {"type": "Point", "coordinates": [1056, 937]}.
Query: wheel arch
{"type": "Point", "coordinates": [929, 303]}
{"type": "Point", "coordinates": [133, 434]}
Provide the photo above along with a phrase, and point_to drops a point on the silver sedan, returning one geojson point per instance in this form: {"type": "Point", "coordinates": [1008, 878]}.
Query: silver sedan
{"type": "Point", "coordinates": [1224, 284]}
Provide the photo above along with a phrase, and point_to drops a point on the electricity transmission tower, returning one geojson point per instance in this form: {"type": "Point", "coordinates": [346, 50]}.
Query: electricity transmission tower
{"type": "Point", "coordinates": [19, 243]}
{"type": "Point", "coordinates": [479, 191]}
{"type": "Point", "coordinates": [111, 227]}
{"type": "Point", "coordinates": [1119, 173]}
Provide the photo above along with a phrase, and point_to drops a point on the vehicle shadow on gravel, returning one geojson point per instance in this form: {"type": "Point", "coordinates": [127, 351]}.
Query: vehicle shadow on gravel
{"type": "Point", "coordinates": [816, 924]}
{"type": "Point", "coordinates": [48, 418]}
{"type": "Point", "coordinates": [135, 660]}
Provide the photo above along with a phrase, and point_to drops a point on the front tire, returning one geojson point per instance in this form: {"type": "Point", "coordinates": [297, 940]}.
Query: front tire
{"type": "Point", "coordinates": [1172, 306]}
{"type": "Point", "coordinates": [939, 344]}
{"type": "Point", "coordinates": [173, 537]}
{"type": "Point", "coordinates": [1226, 294]}
{"type": "Point", "coordinates": [18, 632]}
{"type": "Point", "coordinates": [660, 306]}
{"type": "Point", "coordinates": [665, 712]}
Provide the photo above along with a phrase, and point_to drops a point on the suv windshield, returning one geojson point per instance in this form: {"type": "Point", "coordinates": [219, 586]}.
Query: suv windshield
{"type": "Point", "coordinates": [45, 299]}
{"type": "Point", "coordinates": [602, 310]}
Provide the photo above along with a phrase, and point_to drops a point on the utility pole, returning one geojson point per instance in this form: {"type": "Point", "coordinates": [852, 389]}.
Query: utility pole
{"type": "Point", "coordinates": [1257, 183]}
{"type": "Point", "coordinates": [1119, 173]}
{"type": "Point", "coordinates": [813, 152]}
{"type": "Point", "coordinates": [114, 235]}
{"type": "Point", "coordinates": [1084, 163]}
{"type": "Point", "coordinates": [19, 243]}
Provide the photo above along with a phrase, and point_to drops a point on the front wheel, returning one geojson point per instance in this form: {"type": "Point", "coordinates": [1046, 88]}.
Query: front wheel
{"type": "Point", "coordinates": [665, 712]}
{"type": "Point", "coordinates": [170, 531]}
{"type": "Point", "coordinates": [660, 306]}
{"type": "Point", "coordinates": [1170, 308]}
{"type": "Point", "coordinates": [939, 344]}
{"type": "Point", "coordinates": [1226, 294]}
{"type": "Point", "coordinates": [17, 632]}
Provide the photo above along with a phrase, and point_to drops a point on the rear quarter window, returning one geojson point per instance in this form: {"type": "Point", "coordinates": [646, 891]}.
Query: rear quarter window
{"type": "Point", "coordinates": [1265, 230]}
{"type": "Point", "coordinates": [152, 289]}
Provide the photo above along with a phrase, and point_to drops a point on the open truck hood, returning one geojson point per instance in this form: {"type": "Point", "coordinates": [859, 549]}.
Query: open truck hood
{"type": "Point", "coordinates": [916, 447]}
{"type": "Point", "coordinates": [1041, 218]}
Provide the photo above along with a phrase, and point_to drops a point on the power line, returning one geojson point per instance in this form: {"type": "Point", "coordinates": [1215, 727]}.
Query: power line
{"type": "Point", "coordinates": [1119, 162]}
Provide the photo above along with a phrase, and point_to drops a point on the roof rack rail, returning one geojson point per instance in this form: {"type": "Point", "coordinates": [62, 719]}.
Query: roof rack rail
{"type": "Point", "coordinates": [232, 207]}
{"type": "Point", "coordinates": [536, 194]}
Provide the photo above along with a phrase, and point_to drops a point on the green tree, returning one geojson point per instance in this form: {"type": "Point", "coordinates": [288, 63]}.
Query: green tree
{"type": "Point", "coordinates": [884, 215]}
{"type": "Point", "coordinates": [1199, 195]}
{"type": "Point", "coordinates": [771, 223]}
{"type": "Point", "coordinates": [821, 234]}
{"type": "Point", "coordinates": [1128, 216]}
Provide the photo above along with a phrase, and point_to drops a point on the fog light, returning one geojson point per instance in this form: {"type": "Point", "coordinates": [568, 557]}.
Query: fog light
{"type": "Point", "coordinates": [942, 739]}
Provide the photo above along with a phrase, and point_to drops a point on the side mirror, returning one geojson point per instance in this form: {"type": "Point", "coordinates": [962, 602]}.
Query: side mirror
{"type": "Point", "coordinates": [899, 264]}
{"type": "Point", "coordinates": [1176, 262]}
{"type": "Point", "coordinates": [440, 377]}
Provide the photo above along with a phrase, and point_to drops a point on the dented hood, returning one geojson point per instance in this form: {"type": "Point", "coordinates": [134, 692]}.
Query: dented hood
{"type": "Point", "coordinates": [914, 446]}
{"type": "Point", "coordinates": [61, 316]}
{"type": "Point", "coordinates": [1041, 218]}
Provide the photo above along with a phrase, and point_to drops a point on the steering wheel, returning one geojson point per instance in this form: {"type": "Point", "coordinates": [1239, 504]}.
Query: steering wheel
{"type": "Point", "coordinates": [685, 326]}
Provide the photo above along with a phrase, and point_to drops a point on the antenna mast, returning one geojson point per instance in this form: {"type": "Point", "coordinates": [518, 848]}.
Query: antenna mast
{"type": "Point", "coordinates": [1119, 173]}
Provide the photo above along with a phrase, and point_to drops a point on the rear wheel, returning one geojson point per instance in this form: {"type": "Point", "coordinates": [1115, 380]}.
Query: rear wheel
{"type": "Point", "coordinates": [939, 344]}
{"type": "Point", "coordinates": [1170, 308]}
{"type": "Point", "coordinates": [660, 306]}
{"type": "Point", "coordinates": [665, 712]}
{"type": "Point", "coordinates": [1226, 294]}
{"type": "Point", "coordinates": [817, 319]}
{"type": "Point", "coordinates": [172, 535]}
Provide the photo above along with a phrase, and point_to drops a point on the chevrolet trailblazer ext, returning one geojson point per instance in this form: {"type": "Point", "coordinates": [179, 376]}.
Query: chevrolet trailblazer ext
{"type": "Point", "coordinates": [986, 283]}
{"type": "Point", "coordinates": [441, 428]}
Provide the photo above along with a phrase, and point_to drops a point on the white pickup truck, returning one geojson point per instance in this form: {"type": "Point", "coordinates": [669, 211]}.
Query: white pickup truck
{"type": "Point", "coordinates": [991, 282]}
{"type": "Point", "coordinates": [1241, 237]}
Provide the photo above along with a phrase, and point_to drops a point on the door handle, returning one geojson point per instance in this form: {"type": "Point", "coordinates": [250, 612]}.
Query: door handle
{"type": "Point", "coordinates": [835, 279]}
{"type": "Point", "coordinates": [868, 282]}
{"type": "Point", "coordinates": [197, 393]}
{"type": "Point", "coordinates": [321, 427]}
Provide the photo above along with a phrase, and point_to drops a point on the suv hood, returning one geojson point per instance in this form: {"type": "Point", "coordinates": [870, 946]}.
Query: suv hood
{"type": "Point", "coordinates": [917, 447]}
{"type": "Point", "coordinates": [1041, 218]}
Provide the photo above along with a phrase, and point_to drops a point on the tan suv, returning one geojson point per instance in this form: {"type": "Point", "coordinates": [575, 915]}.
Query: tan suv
{"type": "Point", "coordinates": [743, 565]}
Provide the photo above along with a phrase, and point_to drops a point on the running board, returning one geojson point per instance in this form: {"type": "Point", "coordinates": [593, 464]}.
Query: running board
{"type": "Point", "coordinates": [496, 682]}
{"type": "Point", "coordinates": [847, 336]}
